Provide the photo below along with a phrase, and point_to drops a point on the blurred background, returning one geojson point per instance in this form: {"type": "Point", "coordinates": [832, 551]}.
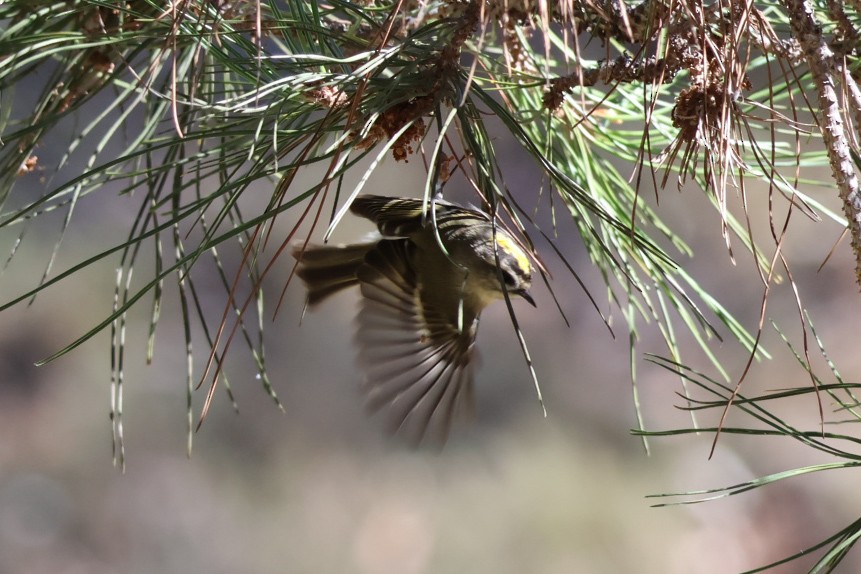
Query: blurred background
{"type": "Point", "coordinates": [320, 489]}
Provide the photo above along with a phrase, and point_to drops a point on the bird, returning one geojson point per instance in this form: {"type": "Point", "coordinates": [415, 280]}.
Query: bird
{"type": "Point", "coordinates": [424, 278]}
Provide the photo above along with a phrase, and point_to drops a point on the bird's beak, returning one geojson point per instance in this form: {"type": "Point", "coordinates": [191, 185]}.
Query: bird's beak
{"type": "Point", "coordinates": [525, 294]}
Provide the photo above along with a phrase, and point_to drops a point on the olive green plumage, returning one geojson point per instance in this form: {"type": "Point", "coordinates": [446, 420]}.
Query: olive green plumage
{"type": "Point", "coordinates": [424, 283]}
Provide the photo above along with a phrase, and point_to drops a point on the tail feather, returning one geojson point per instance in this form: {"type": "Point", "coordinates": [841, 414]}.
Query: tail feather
{"type": "Point", "coordinates": [327, 269]}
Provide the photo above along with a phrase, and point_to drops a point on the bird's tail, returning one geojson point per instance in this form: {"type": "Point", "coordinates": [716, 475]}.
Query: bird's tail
{"type": "Point", "coordinates": [327, 269]}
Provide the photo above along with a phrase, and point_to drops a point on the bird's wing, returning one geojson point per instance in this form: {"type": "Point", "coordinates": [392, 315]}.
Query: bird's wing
{"type": "Point", "coordinates": [394, 217]}
{"type": "Point", "coordinates": [405, 217]}
{"type": "Point", "coordinates": [419, 366]}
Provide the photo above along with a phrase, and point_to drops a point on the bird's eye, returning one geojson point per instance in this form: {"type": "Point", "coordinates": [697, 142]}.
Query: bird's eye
{"type": "Point", "coordinates": [509, 279]}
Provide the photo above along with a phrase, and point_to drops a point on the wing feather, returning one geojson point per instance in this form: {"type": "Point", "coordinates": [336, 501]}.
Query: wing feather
{"type": "Point", "coordinates": [418, 365]}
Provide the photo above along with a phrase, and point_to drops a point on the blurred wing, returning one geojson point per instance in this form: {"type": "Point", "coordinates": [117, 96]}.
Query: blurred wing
{"type": "Point", "coordinates": [419, 366]}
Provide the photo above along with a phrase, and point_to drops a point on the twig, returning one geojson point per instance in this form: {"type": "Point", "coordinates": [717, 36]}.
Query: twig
{"type": "Point", "coordinates": [820, 60]}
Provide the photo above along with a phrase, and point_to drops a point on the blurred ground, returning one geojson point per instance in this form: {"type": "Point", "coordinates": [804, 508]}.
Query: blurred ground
{"type": "Point", "coordinates": [318, 489]}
